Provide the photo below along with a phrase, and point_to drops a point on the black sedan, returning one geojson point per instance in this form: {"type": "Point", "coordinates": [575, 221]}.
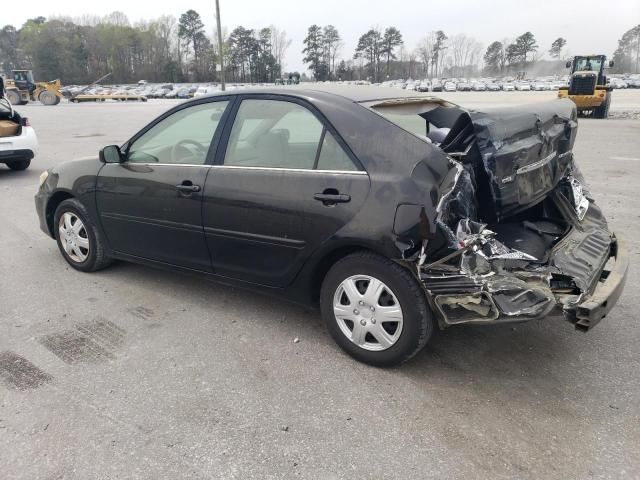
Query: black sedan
{"type": "Point", "coordinates": [395, 213]}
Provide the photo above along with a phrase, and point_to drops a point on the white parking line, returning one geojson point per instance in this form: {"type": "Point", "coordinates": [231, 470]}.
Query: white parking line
{"type": "Point", "coordinates": [630, 159]}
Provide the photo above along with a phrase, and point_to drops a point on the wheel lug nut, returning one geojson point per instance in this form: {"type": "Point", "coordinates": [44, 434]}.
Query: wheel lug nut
{"type": "Point", "coordinates": [363, 322]}
{"type": "Point", "coordinates": [356, 312]}
{"type": "Point", "coordinates": [361, 303]}
{"type": "Point", "coordinates": [373, 320]}
{"type": "Point", "coordinates": [373, 308]}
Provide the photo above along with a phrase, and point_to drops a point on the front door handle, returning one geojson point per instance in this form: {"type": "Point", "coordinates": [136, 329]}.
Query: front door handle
{"type": "Point", "coordinates": [331, 196]}
{"type": "Point", "coordinates": [187, 187]}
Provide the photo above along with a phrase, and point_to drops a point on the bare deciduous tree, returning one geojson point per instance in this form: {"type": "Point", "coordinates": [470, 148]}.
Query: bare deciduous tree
{"type": "Point", "coordinates": [280, 43]}
{"type": "Point", "coordinates": [425, 50]}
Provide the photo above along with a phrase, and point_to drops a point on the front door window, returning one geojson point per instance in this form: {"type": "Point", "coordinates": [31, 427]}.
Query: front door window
{"type": "Point", "coordinates": [182, 138]}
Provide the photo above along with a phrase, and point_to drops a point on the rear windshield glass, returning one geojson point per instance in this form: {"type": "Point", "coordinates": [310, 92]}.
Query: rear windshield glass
{"type": "Point", "coordinates": [430, 119]}
{"type": "Point", "coordinates": [409, 121]}
{"type": "Point", "coordinates": [409, 113]}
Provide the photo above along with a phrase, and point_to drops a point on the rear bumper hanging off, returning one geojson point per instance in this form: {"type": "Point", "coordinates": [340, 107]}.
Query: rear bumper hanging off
{"type": "Point", "coordinates": [593, 308]}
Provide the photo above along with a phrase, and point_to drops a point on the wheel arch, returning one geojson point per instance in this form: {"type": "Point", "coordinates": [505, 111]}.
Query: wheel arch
{"type": "Point", "coordinates": [327, 259]}
{"type": "Point", "coordinates": [56, 199]}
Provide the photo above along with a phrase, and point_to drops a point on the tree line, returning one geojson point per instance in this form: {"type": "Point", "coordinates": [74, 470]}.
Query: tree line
{"type": "Point", "coordinates": [169, 49]}
{"type": "Point", "coordinates": [79, 51]}
{"type": "Point", "coordinates": [381, 55]}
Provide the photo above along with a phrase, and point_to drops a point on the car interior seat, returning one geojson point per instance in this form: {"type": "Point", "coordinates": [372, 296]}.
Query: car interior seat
{"type": "Point", "coordinates": [272, 148]}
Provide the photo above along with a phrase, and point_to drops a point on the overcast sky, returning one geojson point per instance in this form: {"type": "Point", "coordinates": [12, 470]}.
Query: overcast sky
{"type": "Point", "coordinates": [589, 26]}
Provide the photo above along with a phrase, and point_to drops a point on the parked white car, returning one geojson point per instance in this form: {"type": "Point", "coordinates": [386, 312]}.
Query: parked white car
{"type": "Point", "coordinates": [201, 91]}
{"type": "Point", "coordinates": [18, 141]}
{"type": "Point", "coordinates": [423, 86]}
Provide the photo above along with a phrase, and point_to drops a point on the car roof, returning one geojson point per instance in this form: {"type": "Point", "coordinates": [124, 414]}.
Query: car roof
{"type": "Point", "coordinates": [355, 93]}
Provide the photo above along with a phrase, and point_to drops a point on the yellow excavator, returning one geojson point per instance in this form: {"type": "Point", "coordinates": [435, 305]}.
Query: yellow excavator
{"type": "Point", "coordinates": [22, 89]}
{"type": "Point", "coordinates": [588, 85]}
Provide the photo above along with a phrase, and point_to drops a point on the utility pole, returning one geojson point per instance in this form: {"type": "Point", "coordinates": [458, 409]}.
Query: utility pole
{"type": "Point", "coordinates": [220, 44]}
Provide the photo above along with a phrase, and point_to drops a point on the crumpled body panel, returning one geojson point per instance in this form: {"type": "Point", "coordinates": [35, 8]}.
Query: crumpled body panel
{"type": "Point", "coordinates": [517, 233]}
{"type": "Point", "coordinates": [534, 240]}
{"type": "Point", "coordinates": [490, 282]}
{"type": "Point", "coordinates": [525, 154]}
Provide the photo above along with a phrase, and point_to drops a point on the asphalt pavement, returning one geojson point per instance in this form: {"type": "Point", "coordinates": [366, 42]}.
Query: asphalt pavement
{"type": "Point", "coordinates": [137, 373]}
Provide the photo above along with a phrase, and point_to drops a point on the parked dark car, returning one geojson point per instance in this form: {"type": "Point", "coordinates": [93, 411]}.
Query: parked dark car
{"type": "Point", "coordinates": [395, 214]}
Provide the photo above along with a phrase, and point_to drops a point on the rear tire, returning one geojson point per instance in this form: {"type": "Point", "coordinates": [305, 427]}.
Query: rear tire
{"type": "Point", "coordinates": [19, 165]}
{"type": "Point", "coordinates": [382, 329]}
{"type": "Point", "coordinates": [81, 244]}
{"type": "Point", "coordinates": [14, 97]}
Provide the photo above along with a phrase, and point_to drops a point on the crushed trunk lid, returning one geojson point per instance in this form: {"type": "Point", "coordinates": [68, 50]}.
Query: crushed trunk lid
{"type": "Point", "coordinates": [522, 153]}
{"type": "Point", "coordinates": [518, 233]}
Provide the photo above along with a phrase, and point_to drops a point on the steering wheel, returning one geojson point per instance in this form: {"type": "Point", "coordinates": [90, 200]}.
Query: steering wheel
{"type": "Point", "coordinates": [182, 143]}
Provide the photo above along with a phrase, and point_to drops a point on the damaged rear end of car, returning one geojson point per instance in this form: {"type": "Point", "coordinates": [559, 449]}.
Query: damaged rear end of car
{"type": "Point", "coordinates": [518, 235]}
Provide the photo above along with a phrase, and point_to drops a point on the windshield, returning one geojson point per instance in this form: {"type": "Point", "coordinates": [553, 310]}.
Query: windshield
{"type": "Point", "coordinates": [587, 64]}
{"type": "Point", "coordinates": [23, 76]}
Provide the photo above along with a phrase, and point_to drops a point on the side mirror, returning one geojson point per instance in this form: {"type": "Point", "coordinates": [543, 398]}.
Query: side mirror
{"type": "Point", "coordinates": [111, 154]}
{"type": "Point", "coordinates": [611, 64]}
{"type": "Point", "coordinates": [568, 65]}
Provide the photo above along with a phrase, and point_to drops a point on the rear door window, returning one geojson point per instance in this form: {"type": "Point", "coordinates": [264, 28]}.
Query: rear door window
{"type": "Point", "coordinates": [282, 134]}
{"type": "Point", "coordinates": [274, 134]}
{"type": "Point", "coordinates": [333, 157]}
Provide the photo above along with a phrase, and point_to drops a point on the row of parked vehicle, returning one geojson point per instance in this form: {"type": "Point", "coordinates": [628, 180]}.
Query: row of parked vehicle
{"type": "Point", "coordinates": [178, 91]}
{"type": "Point", "coordinates": [185, 91]}
{"type": "Point", "coordinates": [167, 90]}
{"type": "Point", "coordinates": [631, 81]}
{"type": "Point", "coordinates": [148, 91]}
{"type": "Point", "coordinates": [494, 85]}
{"type": "Point", "coordinates": [475, 85]}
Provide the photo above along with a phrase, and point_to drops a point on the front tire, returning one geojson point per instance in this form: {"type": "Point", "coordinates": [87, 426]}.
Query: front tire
{"type": "Point", "coordinates": [79, 240]}
{"type": "Point", "coordinates": [603, 110]}
{"type": "Point", "coordinates": [375, 310]}
{"type": "Point", "coordinates": [48, 98]}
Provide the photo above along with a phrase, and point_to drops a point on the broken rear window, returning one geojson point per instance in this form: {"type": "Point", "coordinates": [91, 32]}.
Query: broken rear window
{"type": "Point", "coordinates": [410, 114]}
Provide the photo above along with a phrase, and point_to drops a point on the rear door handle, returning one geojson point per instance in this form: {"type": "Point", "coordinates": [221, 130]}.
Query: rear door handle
{"type": "Point", "coordinates": [187, 188]}
{"type": "Point", "coordinates": [332, 198]}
